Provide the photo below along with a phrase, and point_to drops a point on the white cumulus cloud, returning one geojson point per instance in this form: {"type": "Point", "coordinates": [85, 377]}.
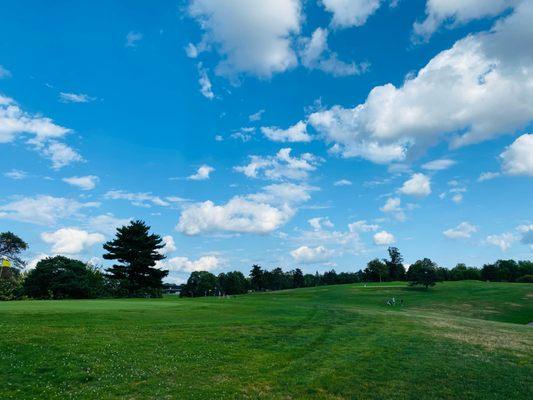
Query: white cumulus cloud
{"type": "Point", "coordinates": [295, 133]}
{"type": "Point", "coordinates": [202, 173]}
{"type": "Point", "coordinates": [170, 245]}
{"type": "Point", "coordinates": [462, 231]}
{"type": "Point", "coordinates": [307, 255]}
{"type": "Point", "coordinates": [504, 241]}
{"type": "Point", "coordinates": [362, 226]}
{"type": "Point", "coordinates": [419, 185]}
{"type": "Point", "coordinates": [517, 159]}
{"type": "Point", "coordinates": [456, 13]}
{"type": "Point", "coordinates": [281, 166]}
{"type": "Point", "coordinates": [87, 182]}
{"type": "Point", "coordinates": [347, 13]}
{"type": "Point", "coordinates": [43, 209]}
{"type": "Point", "coordinates": [474, 91]}
{"type": "Point", "coordinates": [204, 263]}
{"type": "Point", "coordinates": [71, 240]}
{"type": "Point", "coordinates": [384, 238]}
{"type": "Point", "coordinates": [315, 54]}
{"type": "Point", "coordinates": [252, 36]}
{"type": "Point", "coordinates": [258, 213]}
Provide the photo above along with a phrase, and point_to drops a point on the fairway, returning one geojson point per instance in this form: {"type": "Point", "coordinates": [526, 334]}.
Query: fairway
{"type": "Point", "coordinates": [459, 340]}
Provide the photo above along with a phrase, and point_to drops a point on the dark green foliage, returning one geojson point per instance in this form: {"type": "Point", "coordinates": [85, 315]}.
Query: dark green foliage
{"type": "Point", "coordinates": [10, 247]}
{"type": "Point", "coordinates": [443, 274]}
{"type": "Point", "coordinates": [277, 280]}
{"type": "Point", "coordinates": [257, 278]}
{"type": "Point", "coordinates": [396, 270]}
{"type": "Point", "coordinates": [11, 288]}
{"type": "Point", "coordinates": [200, 283]}
{"type": "Point", "coordinates": [348, 277]}
{"type": "Point", "coordinates": [298, 278]}
{"type": "Point", "coordinates": [526, 267]}
{"type": "Point", "coordinates": [63, 278]}
{"type": "Point", "coordinates": [329, 278]}
{"type": "Point", "coordinates": [137, 251]}
{"type": "Point", "coordinates": [506, 270]}
{"type": "Point", "coordinates": [232, 283]}
{"type": "Point", "coordinates": [422, 272]}
{"type": "Point", "coordinates": [461, 272]}
{"type": "Point", "coordinates": [376, 271]}
{"type": "Point", "coordinates": [525, 279]}
{"type": "Point", "coordinates": [311, 280]}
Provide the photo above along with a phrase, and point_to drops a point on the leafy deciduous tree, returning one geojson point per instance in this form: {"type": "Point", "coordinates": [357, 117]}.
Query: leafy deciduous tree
{"type": "Point", "coordinates": [422, 272]}
{"type": "Point", "coordinates": [376, 270]}
{"type": "Point", "coordinates": [200, 283]}
{"type": "Point", "coordinates": [232, 283]}
{"type": "Point", "coordinates": [395, 266]}
{"type": "Point", "coordinates": [63, 278]}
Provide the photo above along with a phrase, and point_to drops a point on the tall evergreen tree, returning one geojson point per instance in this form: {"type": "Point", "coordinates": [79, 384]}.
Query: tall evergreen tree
{"type": "Point", "coordinates": [257, 278]}
{"type": "Point", "coordinates": [298, 278]}
{"type": "Point", "coordinates": [137, 251]}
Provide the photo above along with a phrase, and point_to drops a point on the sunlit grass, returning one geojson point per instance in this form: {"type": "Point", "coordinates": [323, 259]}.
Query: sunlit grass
{"type": "Point", "coordinates": [458, 340]}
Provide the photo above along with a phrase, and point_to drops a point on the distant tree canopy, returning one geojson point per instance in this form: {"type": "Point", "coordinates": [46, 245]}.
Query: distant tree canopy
{"type": "Point", "coordinates": [395, 267]}
{"type": "Point", "coordinates": [422, 272]}
{"type": "Point", "coordinates": [506, 270]}
{"type": "Point", "coordinates": [63, 278]}
{"type": "Point", "coordinates": [376, 270]}
{"type": "Point", "coordinates": [461, 272]}
{"type": "Point", "coordinates": [203, 283]}
{"type": "Point", "coordinates": [200, 283]}
{"type": "Point", "coordinates": [232, 283]}
{"type": "Point", "coordinates": [135, 274]}
{"type": "Point", "coordinates": [137, 252]}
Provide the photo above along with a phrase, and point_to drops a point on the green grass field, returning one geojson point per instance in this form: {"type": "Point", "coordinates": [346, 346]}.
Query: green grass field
{"type": "Point", "coordinates": [462, 340]}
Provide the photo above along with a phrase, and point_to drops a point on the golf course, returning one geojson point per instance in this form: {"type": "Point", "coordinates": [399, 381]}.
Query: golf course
{"type": "Point", "coordinates": [458, 340]}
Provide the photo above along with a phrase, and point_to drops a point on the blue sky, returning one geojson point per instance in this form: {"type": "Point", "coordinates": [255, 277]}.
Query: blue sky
{"type": "Point", "coordinates": [285, 133]}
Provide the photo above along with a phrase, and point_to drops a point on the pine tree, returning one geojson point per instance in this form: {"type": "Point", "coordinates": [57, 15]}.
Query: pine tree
{"type": "Point", "coordinates": [257, 278]}
{"type": "Point", "coordinates": [298, 278]}
{"type": "Point", "coordinates": [137, 251]}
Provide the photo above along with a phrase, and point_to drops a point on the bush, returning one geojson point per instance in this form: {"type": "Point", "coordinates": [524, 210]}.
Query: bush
{"type": "Point", "coordinates": [11, 288]}
{"type": "Point", "coordinates": [64, 278]}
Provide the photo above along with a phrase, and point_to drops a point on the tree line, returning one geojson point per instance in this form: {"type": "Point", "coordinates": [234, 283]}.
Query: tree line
{"type": "Point", "coordinates": [423, 272]}
{"type": "Point", "coordinates": [136, 252]}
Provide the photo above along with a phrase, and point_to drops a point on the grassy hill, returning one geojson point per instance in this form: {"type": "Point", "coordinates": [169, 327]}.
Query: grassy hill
{"type": "Point", "coordinates": [460, 340]}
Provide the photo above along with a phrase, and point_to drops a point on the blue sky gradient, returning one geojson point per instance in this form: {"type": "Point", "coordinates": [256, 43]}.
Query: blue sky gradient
{"type": "Point", "coordinates": [139, 115]}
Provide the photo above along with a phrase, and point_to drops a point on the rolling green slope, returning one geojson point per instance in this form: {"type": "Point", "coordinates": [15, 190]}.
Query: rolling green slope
{"type": "Point", "coordinates": [456, 341]}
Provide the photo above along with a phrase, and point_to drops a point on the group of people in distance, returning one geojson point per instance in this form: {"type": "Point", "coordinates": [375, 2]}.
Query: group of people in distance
{"type": "Point", "coordinates": [392, 302]}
